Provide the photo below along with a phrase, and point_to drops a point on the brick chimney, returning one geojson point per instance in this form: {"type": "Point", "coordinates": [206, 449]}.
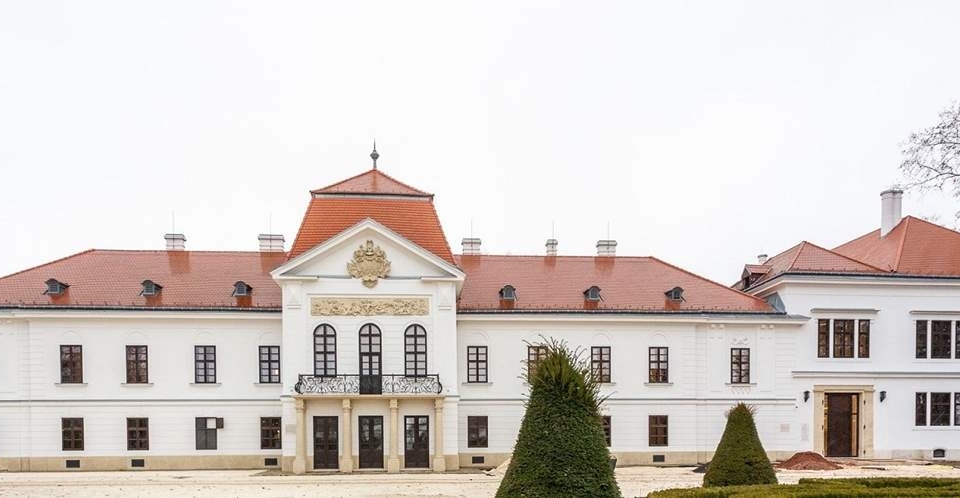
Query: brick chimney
{"type": "Point", "coordinates": [890, 210]}
{"type": "Point", "coordinates": [271, 242]}
{"type": "Point", "coordinates": [175, 241]}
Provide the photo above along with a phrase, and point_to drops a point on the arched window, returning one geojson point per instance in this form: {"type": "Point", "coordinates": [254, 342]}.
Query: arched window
{"type": "Point", "coordinates": [415, 348]}
{"type": "Point", "coordinates": [325, 351]}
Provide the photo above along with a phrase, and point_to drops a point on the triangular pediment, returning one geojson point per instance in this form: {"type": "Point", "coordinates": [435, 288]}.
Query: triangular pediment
{"type": "Point", "coordinates": [368, 249]}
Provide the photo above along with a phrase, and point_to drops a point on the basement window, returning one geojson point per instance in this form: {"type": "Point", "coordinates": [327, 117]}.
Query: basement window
{"type": "Point", "coordinates": [150, 288]}
{"type": "Point", "coordinates": [55, 287]}
{"type": "Point", "coordinates": [675, 294]}
{"type": "Point", "coordinates": [592, 294]}
{"type": "Point", "coordinates": [508, 293]}
{"type": "Point", "coordinates": [241, 289]}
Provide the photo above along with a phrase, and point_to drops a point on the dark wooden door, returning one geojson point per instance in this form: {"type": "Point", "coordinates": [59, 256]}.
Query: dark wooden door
{"type": "Point", "coordinates": [841, 424]}
{"type": "Point", "coordinates": [371, 379]}
{"type": "Point", "coordinates": [371, 442]}
{"type": "Point", "coordinates": [326, 442]}
{"type": "Point", "coordinates": [416, 446]}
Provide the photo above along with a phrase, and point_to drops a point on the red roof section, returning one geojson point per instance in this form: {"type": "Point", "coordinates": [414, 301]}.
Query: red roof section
{"type": "Point", "coordinates": [399, 207]}
{"type": "Point", "coordinates": [808, 257]}
{"type": "Point", "coordinates": [371, 182]}
{"type": "Point", "coordinates": [913, 247]}
{"type": "Point", "coordinates": [546, 283]}
{"type": "Point", "coordinates": [112, 279]}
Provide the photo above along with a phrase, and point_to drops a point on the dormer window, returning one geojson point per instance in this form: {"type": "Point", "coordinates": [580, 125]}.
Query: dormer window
{"type": "Point", "coordinates": [508, 293]}
{"type": "Point", "coordinates": [675, 294]}
{"type": "Point", "coordinates": [592, 294]}
{"type": "Point", "coordinates": [241, 289]}
{"type": "Point", "coordinates": [150, 288]}
{"type": "Point", "coordinates": [55, 287]}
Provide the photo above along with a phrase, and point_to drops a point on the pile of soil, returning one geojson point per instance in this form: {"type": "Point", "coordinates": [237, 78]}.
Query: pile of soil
{"type": "Point", "coordinates": [808, 460]}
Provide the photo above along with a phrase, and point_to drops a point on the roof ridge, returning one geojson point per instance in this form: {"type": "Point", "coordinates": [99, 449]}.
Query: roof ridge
{"type": "Point", "coordinates": [418, 192]}
{"type": "Point", "coordinates": [843, 256]}
{"type": "Point", "coordinates": [578, 256]}
{"type": "Point", "coordinates": [903, 240]}
{"type": "Point", "coordinates": [705, 279]}
{"type": "Point", "coordinates": [37, 267]}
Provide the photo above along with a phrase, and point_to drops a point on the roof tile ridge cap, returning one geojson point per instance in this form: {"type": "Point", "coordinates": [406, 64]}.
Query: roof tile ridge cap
{"type": "Point", "coordinates": [811, 244]}
{"type": "Point", "coordinates": [796, 257]}
{"type": "Point", "coordinates": [449, 257]}
{"type": "Point", "coordinates": [714, 282]}
{"type": "Point", "coordinates": [58, 260]}
{"type": "Point", "coordinates": [403, 183]}
{"type": "Point", "coordinates": [903, 241]}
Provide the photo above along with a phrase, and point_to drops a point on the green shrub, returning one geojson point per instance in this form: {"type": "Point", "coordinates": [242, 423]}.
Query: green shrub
{"type": "Point", "coordinates": [828, 488]}
{"type": "Point", "coordinates": [560, 449]}
{"type": "Point", "coordinates": [740, 458]}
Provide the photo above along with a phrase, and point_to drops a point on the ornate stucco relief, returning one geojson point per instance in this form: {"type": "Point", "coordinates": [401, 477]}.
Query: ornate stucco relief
{"type": "Point", "coordinates": [346, 306]}
{"type": "Point", "coordinates": [369, 264]}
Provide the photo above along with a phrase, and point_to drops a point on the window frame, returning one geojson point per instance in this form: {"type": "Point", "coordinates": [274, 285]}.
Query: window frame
{"type": "Point", "coordinates": [203, 364]}
{"type": "Point", "coordinates": [535, 354]}
{"type": "Point", "coordinates": [138, 433]}
{"type": "Point", "coordinates": [941, 409]}
{"type": "Point", "coordinates": [658, 364]}
{"type": "Point", "coordinates": [654, 423]}
{"type": "Point", "coordinates": [138, 370]}
{"type": "Point", "coordinates": [325, 351]}
{"type": "Point", "coordinates": [271, 437]}
{"type": "Point", "coordinates": [204, 435]}
{"type": "Point", "coordinates": [607, 424]}
{"type": "Point", "coordinates": [844, 343]}
{"type": "Point", "coordinates": [269, 366]}
{"type": "Point", "coordinates": [477, 366]}
{"type": "Point", "coordinates": [415, 351]}
{"type": "Point", "coordinates": [941, 350]}
{"type": "Point", "coordinates": [478, 431]}
{"type": "Point", "coordinates": [920, 418]}
{"type": "Point", "coordinates": [739, 369]}
{"type": "Point", "coordinates": [600, 364]}
{"type": "Point", "coordinates": [71, 360]}
{"type": "Point", "coordinates": [71, 433]}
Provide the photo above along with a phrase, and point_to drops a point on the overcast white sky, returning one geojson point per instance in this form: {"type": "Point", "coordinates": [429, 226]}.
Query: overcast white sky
{"type": "Point", "coordinates": [704, 133]}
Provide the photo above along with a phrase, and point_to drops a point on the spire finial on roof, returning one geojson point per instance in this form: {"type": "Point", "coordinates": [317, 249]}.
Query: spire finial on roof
{"type": "Point", "coordinates": [374, 155]}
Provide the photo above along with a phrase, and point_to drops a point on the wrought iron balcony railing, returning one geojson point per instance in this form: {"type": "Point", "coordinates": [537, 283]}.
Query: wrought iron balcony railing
{"type": "Point", "coordinates": [368, 384]}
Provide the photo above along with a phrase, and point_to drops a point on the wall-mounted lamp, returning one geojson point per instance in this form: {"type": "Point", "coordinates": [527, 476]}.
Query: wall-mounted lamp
{"type": "Point", "coordinates": [806, 396]}
{"type": "Point", "coordinates": [883, 396]}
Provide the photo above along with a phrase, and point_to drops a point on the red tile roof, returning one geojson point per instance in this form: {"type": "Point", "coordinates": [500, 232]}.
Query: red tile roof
{"type": "Point", "coordinates": [546, 283]}
{"type": "Point", "coordinates": [399, 207]}
{"type": "Point", "coordinates": [913, 247]}
{"type": "Point", "coordinates": [112, 279]}
{"type": "Point", "coordinates": [371, 182]}
{"type": "Point", "coordinates": [811, 258]}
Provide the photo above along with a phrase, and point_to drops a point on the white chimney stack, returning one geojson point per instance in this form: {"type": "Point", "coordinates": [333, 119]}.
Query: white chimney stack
{"type": "Point", "coordinates": [471, 246]}
{"type": "Point", "coordinates": [271, 242]}
{"type": "Point", "coordinates": [890, 210]}
{"type": "Point", "coordinates": [552, 247]}
{"type": "Point", "coordinates": [762, 258]}
{"type": "Point", "coordinates": [175, 241]}
{"type": "Point", "coordinates": [606, 248]}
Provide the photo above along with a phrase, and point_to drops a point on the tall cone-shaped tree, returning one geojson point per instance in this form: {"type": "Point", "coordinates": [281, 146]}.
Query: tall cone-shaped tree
{"type": "Point", "coordinates": [560, 450]}
{"type": "Point", "coordinates": [740, 457]}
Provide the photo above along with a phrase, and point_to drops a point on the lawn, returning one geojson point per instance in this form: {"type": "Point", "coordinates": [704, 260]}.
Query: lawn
{"type": "Point", "coordinates": [833, 488]}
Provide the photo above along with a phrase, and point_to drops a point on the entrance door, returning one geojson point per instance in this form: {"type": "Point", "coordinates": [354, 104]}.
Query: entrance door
{"type": "Point", "coordinates": [371, 442]}
{"type": "Point", "coordinates": [416, 437]}
{"type": "Point", "coordinates": [370, 374]}
{"type": "Point", "coordinates": [841, 425]}
{"type": "Point", "coordinates": [325, 442]}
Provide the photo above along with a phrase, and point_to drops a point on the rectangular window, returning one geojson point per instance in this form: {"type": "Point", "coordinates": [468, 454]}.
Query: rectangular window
{"type": "Point", "coordinates": [138, 434]}
{"type": "Point", "coordinates": [72, 434]}
{"type": "Point", "coordinates": [206, 433]}
{"type": "Point", "coordinates": [71, 364]}
{"type": "Point", "coordinates": [270, 433]}
{"type": "Point", "coordinates": [940, 339]}
{"type": "Point", "coordinates": [922, 338]}
{"type": "Point", "coordinates": [605, 420]}
{"type": "Point", "coordinates": [600, 363]}
{"type": "Point", "coordinates": [956, 342]}
{"type": "Point", "coordinates": [137, 365]}
{"type": "Point", "coordinates": [920, 412]}
{"type": "Point", "coordinates": [823, 338]}
{"type": "Point", "coordinates": [415, 352]}
{"type": "Point", "coordinates": [863, 339]}
{"type": "Point", "coordinates": [657, 430]}
{"type": "Point", "coordinates": [476, 432]}
{"type": "Point", "coordinates": [956, 409]}
{"type": "Point", "coordinates": [940, 408]}
{"type": "Point", "coordinates": [659, 373]}
{"type": "Point", "coordinates": [269, 364]}
{"type": "Point", "coordinates": [535, 354]}
{"type": "Point", "coordinates": [843, 338]}
{"type": "Point", "coordinates": [205, 364]}
{"type": "Point", "coordinates": [739, 365]}
{"type": "Point", "coordinates": [476, 363]}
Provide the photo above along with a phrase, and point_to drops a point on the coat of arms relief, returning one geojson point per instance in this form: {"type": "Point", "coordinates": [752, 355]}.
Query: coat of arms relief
{"type": "Point", "coordinates": [369, 264]}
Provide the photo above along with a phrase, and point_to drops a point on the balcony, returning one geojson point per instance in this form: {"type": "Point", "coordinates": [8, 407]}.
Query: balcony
{"type": "Point", "coordinates": [350, 384]}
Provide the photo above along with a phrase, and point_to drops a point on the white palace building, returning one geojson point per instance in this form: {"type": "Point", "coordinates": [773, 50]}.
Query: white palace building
{"type": "Point", "coordinates": [369, 344]}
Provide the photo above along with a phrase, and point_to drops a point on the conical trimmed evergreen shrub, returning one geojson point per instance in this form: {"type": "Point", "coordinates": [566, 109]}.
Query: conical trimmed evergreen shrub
{"type": "Point", "coordinates": [560, 450]}
{"type": "Point", "coordinates": [740, 457]}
